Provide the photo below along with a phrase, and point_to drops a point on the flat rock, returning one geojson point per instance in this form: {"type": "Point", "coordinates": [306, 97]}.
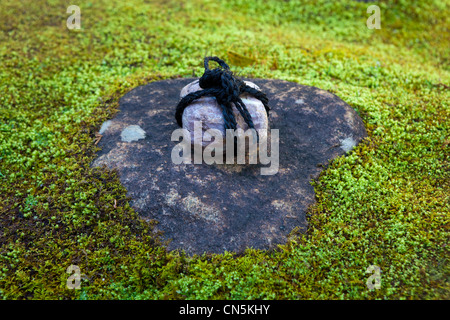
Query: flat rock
{"type": "Point", "coordinates": [216, 208]}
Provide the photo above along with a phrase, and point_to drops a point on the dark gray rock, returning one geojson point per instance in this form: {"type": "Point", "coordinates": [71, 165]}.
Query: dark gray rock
{"type": "Point", "coordinates": [217, 208]}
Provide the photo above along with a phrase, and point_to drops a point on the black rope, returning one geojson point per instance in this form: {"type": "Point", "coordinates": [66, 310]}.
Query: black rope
{"type": "Point", "coordinates": [221, 84]}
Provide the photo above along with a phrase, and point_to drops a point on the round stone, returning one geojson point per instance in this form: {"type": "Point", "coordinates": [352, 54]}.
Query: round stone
{"type": "Point", "coordinates": [207, 111]}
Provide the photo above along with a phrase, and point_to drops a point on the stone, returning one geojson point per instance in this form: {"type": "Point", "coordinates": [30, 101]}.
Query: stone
{"type": "Point", "coordinates": [219, 207]}
{"type": "Point", "coordinates": [208, 111]}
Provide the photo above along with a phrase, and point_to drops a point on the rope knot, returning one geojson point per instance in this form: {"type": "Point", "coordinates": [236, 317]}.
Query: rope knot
{"type": "Point", "coordinates": [221, 84]}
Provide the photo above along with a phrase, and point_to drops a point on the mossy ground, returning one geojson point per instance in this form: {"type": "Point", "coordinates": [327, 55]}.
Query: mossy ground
{"type": "Point", "coordinates": [385, 204]}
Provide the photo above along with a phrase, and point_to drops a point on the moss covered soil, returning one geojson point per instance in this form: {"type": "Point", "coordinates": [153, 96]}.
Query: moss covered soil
{"type": "Point", "coordinates": [386, 203]}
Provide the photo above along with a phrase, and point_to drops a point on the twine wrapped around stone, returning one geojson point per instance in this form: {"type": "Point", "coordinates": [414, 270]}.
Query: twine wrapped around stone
{"type": "Point", "coordinates": [221, 101]}
{"type": "Point", "coordinates": [207, 110]}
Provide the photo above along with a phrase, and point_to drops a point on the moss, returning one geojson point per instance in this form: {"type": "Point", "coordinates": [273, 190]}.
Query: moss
{"type": "Point", "coordinates": [385, 203]}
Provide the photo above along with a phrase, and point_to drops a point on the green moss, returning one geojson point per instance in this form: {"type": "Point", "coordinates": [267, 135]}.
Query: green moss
{"type": "Point", "coordinates": [385, 203]}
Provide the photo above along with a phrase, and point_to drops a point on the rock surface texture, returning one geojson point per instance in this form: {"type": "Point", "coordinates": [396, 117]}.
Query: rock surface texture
{"type": "Point", "coordinates": [216, 208]}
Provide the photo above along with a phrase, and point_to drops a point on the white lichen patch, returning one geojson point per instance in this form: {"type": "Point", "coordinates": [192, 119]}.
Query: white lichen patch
{"type": "Point", "coordinates": [282, 205]}
{"type": "Point", "coordinates": [105, 126]}
{"type": "Point", "coordinates": [347, 144]}
{"type": "Point", "coordinates": [132, 133]}
{"type": "Point", "coordinates": [196, 207]}
{"type": "Point", "coordinates": [172, 197]}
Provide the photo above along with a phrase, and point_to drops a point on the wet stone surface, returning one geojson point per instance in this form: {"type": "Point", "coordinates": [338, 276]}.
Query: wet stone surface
{"type": "Point", "coordinates": [216, 208]}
